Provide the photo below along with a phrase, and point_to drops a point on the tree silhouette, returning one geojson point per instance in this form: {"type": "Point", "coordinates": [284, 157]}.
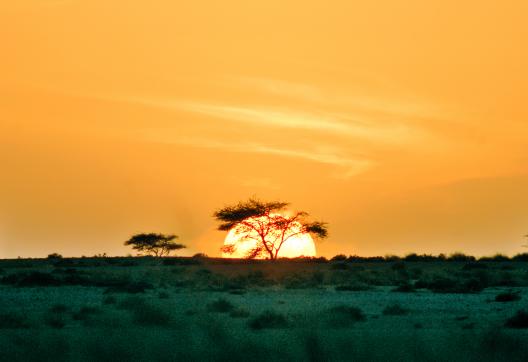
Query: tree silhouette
{"type": "Point", "coordinates": [154, 244]}
{"type": "Point", "coordinates": [263, 222]}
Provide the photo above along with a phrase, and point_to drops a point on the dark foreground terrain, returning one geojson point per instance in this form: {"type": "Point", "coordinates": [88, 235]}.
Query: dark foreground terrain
{"type": "Point", "coordinates": [198, 309]}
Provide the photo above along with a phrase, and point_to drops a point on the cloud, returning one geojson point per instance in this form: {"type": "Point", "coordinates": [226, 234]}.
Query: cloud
{"type": "Point", "coordinates": [348, 166]}
{"type": "Point", "coordinates": [336, 124]}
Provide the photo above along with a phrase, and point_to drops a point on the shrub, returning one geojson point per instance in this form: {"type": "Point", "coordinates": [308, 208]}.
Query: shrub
{"type": "Point", "coordinates": [495, 258]}
{"type": "Point", "coordinates": [109, 300]}
{"type": "Point", "coordinates": [395, 309]}
{"type": "Point", "coordinates": [405, 288]}
{"type": "Point", "coordinates": [508, 297]}
{"type": "Point", "coordinates": [440, 284]}
{"type": "Point", "coordinates": [163, 295]}
{"type": "Point", "coordinates": [33, 279]}
{"type": "Point", "coordinates": [56, 321]}
{"type": "Point", "coordinates": [415, 257]}
{"type": "Point", "coordinates": [59, 308]}
{"type": "Point", "coordinates": [460, 257]}
{"type": "Point", "coordinates": [344, 315]}
{"type": "Point", "coordinates": [339, 257]}
{"type": "Point", "coordinates": [519, 320]}
{"type": "Point", "coordinates": [220, 306]}
{"type": "Point", "coordinates": [130, 287]}
{"type": "Point", "coordinates": [85, 313]}
{"type": "Point", "coordinates": [12, 321]}
{"type": "Point", "coordinates": [268, 320]}
{"type": "Point", "coordinates": [520, 257]}
{"type": "Point", "coordinates": [54, 256]}
{"type": "Point", "coordinates": [239, 313]}
{"type": "Point", "coordinates": [357, 287]}
{"type": "Point", "coordinates": [149, 315]}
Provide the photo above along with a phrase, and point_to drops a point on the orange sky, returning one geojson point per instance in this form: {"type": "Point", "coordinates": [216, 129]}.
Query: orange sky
{"type": "Point", "coordinates": [401, 123]}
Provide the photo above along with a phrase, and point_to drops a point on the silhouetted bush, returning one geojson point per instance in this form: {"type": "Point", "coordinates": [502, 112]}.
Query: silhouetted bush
{"type": "Point", "coordinates": [413, 257]}
{"type": "Point", "coordinates": [392, 258]}
{"type": "Point", "coordinates": [342, 315]}
{"type": "Point", "coordinates": [495, 258]}
{"type": "Point", "coordinates": [109, 299]}
{"type": "Point", "coordinates": [368, 259]}
{"type": "Point", "coordinates": [55, 320]}
{"type": "Point", "coordinates": [268, 320]}
{"type": "Point", "coordinates": [520, 257]}
{"type": "Point", "coordinates": [519, 320]}
{"type": "Point", "coordinates": [12, 321]}
{"type": "Point", "coordinates": [441, 284]}
{"type": "Point", "coordinates": [54, 256]}
{"type": "Point", "coordinates": [395, 309]}
{"type": "Point", "coordinates": [59, 308]}
{"type": "Point", "coordinates": [239, 313]}
{"type": "Point", "coordinates": [460, 257]}
{"type": "Point", "coordinates": [163, 295]}
{"type": "Point", "coordinates": [508, 297]}
{"type": "Point", "coordinates": [33, 279]}
{"type": "Point", "coordinates": [130, 287]}
{"type": "Point", "coordinates": [220, 306]}
{"type": "Point", "coordinates": [405, 288]}
{"type": "Point", "coordinates": [85, 313]}
{"type": "Point", "coordinates": [355, 287]}
{"type": "Point", "coordinates": [339, 257]}
{"type": "Point", "coordinates": [150, 316]}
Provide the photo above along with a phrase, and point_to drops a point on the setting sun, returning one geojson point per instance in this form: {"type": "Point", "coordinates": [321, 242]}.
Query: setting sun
{"type": "Point", "coordinates": [299, 244]}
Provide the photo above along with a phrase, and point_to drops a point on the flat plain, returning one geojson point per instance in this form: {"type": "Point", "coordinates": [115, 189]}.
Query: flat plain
{"type": "Point", "coordinates": [197, 309]}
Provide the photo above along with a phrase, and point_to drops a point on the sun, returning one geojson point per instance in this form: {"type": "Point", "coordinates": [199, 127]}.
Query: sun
{"type": "Point", "coordinates": [296, 246]}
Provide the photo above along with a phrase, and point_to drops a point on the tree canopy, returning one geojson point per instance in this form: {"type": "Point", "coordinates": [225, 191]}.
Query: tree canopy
{"type": "Point", "coordinates": [267, 224]}
{"type": "Point", "coordinates": [154, 244]}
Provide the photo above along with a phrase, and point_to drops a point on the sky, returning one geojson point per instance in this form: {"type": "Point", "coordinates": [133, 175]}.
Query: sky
{"type": "Point", "coordinates": [403, 124]}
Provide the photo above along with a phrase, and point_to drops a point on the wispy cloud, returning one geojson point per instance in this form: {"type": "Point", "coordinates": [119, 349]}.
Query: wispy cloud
{"type": "Point", "coordinates": [403, 105]}
{"type": "Point", "coordinates": [336, 124]}
{"type": "Point", "coordinates": [348, 166]}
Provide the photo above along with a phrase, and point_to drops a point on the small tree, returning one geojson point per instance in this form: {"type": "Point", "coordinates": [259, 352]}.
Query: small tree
{"type": "Point", "coordinates": [154, 244]}
{"type": "Point", "coordinates": [263, 222]}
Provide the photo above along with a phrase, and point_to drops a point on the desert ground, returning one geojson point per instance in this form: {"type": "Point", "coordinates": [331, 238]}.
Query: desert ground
{"type": "Point", "coordinates": [205, 309]}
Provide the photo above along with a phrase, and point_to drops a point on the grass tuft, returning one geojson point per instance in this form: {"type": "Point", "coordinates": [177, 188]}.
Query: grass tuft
{"type": "Point", "coordinates": [518, 321]}
{"type": "Point", "coordinates": [220, 305]}
{"type": "Point", "coordinates": [268, 320]}
{"type": "Point", "coordinates": [395, 309]}
{"type": "Point", "coordinates": [508, 297]}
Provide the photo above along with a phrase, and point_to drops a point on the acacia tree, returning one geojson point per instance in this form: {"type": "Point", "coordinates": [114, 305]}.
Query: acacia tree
{"type": "Point", "coordinates": [264, 223]}
{"type": "Point", "coordinates": [154, 244]}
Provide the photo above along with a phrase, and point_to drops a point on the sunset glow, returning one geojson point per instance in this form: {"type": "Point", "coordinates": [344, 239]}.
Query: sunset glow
{"type": "Point", "coordinates": [403, 124]}
{"type": "Point", "coordinates": [295, 246]}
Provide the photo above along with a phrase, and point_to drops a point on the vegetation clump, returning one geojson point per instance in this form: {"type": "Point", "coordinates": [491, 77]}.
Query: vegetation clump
{"type": "Point", "coordinates": [508, 297]}
{"type": "Point", "coordinates": [395, 310]}
{"type": "Point", "coordinates": [518, 321]}
{"type": "Point", "coordinates": [220, 306]}
{"type": "Point", "coordinates": [345, 316]}
{"type": "Point", "coordinates": [268, 320]}
{"type": "Point", "coordinates": [12, 321]}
